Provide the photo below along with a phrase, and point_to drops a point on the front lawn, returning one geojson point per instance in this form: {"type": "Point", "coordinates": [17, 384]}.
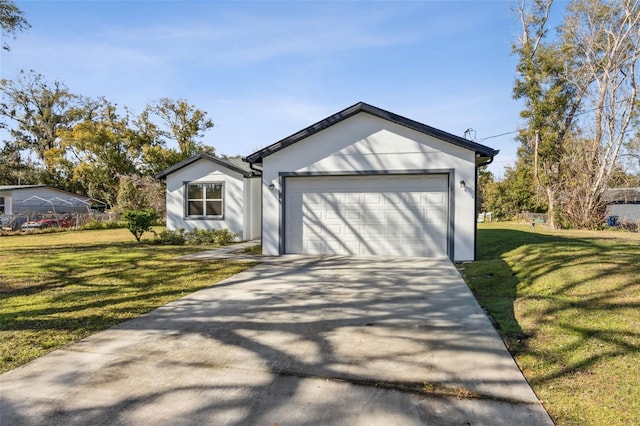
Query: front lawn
{"type": "Point", "coordinates": [568, 306]}
{"type": "Point", "coordinates": [58, 288]}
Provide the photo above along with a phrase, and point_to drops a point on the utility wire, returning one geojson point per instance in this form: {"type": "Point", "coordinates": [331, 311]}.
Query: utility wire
{"type": "Point", "coordinates": [576, 115]}
{"type": "Point", "coordinates": [497, 136]}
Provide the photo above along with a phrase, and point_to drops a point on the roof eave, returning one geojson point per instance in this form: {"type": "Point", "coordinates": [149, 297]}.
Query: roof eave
{"type": "Point", "coordinates": [163, 174]}
{"type": "Point", "coordinates": [485, 151]}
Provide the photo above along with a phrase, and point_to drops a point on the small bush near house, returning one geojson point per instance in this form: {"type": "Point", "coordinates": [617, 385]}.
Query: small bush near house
{"type": "Point", "coordinates": [174, 238]}
{"type": "Point", "coordinates": [197, 237]}
{"type": "Point", "coordinates": [140, 221]}
{"type": "Point", "coordinates": [224, 236]}
{"type": "Point", "coordinates": [201, 237]}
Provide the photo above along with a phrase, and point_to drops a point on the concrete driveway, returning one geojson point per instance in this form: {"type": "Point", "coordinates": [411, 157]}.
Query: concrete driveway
{"type": "Point", "coordinates": [297, 341]}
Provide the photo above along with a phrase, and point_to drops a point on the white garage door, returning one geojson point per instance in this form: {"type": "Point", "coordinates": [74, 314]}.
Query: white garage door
{"type": "Point", "coordinates": [403, 215]}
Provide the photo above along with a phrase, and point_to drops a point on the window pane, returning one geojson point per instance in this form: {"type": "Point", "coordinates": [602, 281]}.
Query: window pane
{"type": "Point", "coordinates": [195, 208]}
{"type": "Point", "coordinates": [195, 191]}
{"type": "Point", "coordinates": [214, 208]}
{"type": "Point", "coordinates": [214, 191]}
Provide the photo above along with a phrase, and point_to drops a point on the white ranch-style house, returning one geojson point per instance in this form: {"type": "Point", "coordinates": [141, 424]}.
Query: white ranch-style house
{"type": "Point", "coordinates": [363, 181]}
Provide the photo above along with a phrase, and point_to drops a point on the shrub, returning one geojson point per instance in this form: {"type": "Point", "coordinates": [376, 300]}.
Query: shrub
{"type": "Point", "coordinates": [201, 237]}
{"type": "Point", "coordinates": [174, 238]}
{"type": "Point", "coordinates": [95, 224]}
{"type": "Point", "coordinates": [224, 236]}
{"type": "Point", "coordinates": [140, 221]}
{"type": "Point", "coordinates": [208, 237]}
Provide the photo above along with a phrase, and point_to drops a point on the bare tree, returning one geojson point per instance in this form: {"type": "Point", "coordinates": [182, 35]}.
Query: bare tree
{"type": "Point", "coordinates": [580, 92]}
{"type": "Point", "coordinates": [603, 38]}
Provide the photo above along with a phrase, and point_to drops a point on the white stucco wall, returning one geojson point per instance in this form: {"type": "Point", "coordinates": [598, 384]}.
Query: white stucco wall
{"type": "Point", "coordinates": [253, 208]}
{"type": "Point", "coordinates": [206, 171]}
{"type": "Point", "coordinates": [369, 144]}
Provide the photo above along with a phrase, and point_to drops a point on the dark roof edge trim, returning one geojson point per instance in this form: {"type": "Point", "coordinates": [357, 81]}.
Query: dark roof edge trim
{"type": "Point", "coordinates": [20, 187]}
{"type": "Point", "coordinates": [482, 150]}
{"type": "Point", "coordinates": [197, 157]}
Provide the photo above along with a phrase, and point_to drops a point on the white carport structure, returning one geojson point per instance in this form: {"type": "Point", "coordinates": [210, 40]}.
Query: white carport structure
{"type": "Point", "coordinates": [23, 199]}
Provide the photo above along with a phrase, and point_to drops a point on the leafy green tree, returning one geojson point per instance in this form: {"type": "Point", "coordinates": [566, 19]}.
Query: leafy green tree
{"type": "Point", "coordinates": [182, 123]}
{"type": "Point", "coordinates": [140, 221]}
{"type": "Point", "coordinates": [100, 149]}
{"type": "Point", "coordinates": [551, 104]}
{"type": "Point", "coordinates": [513, 194]}
{"type": "Point", "coordinates": [156, 158]}
{"type": "Point", "coordinates": [486, 185]}
{"type": "Point", "coordinates": [11, 21]}
{"type": "Point", "coordinates": [34, 110]}
{"type": "Point", "coordinates": [88, 145]}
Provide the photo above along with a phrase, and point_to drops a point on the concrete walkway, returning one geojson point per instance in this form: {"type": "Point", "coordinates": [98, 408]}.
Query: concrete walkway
{"type": "Point", "coordinates": [301, 341]}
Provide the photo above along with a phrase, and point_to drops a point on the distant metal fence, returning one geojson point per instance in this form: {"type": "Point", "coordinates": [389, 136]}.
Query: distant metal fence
{"type": "Point", "coordinates": [41, 220]}
{"type": "Point", "coordinates": [532, 217]}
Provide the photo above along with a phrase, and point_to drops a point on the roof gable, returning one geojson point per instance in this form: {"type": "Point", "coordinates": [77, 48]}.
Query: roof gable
{"type": "Point", "coordinates": [231, 164]}
{"type": "Point", "coordinates": [484, 153]}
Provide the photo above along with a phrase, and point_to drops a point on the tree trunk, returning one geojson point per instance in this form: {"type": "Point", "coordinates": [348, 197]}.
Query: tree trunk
{"type": "Point", "coordinates": [551, 203]}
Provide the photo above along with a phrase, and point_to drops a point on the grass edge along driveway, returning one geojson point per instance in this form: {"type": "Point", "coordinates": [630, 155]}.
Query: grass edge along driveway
{"type": "Point", "coordinates": [58, 288]}
{"type": "Point", "coordinates": [567, 304]}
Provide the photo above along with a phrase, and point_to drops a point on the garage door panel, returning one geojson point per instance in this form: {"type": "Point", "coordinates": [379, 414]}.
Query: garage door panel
{"type": "Point", "coordinates": [352, 199]}
{"type": "Point", "coordinates": [373, 215]}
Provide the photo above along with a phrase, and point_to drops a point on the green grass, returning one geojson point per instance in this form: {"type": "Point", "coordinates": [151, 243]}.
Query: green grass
{"type": "Point", "coordinates": [253, 250]}
{"type": "Point", "coordinates": [568, 306]}
{"type": "Point", "coordinates": [58, 288]}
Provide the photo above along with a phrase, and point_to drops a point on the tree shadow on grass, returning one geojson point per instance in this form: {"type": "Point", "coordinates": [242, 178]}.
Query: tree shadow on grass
{"type": "Point", "coordinates": [310, 344]}
{"type": "Point", "coordinates": [568, 305]}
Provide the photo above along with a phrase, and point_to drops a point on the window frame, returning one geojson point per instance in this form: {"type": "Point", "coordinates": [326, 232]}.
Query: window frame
{"type": "Point", "coordinates": [3, 205]}
{"type": "Point", "coordinates": [204, 200]}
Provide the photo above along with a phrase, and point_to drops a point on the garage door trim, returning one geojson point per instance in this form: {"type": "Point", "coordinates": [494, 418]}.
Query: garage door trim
{"type": "Point", "coordinates": [451, 195]}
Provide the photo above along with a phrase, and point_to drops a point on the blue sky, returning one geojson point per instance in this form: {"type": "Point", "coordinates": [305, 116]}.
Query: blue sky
{"type": "Point", "coordinates": [266, 69]}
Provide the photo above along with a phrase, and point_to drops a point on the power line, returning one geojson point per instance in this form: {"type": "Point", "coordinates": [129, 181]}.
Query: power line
{"type": "Point", "coordinates": [577, 114]}
{"type": "Point", "coordinates": [497, 136]}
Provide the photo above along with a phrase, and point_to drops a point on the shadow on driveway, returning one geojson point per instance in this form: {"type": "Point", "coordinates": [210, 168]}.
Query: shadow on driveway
{"type": "Point", "coordinates": [305, 341]}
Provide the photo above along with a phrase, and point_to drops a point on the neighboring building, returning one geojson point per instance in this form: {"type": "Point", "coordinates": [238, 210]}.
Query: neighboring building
{"type": "Point", "coordinates": [41, 203]}
{"type": "Point", "coordinates": [624, 203]}
{"type": "Point", "coordinates": [25, 199]}
{"type": "Point", "coordinates": [206, 192]}
{"type": "Point", "coordinates": [366, 181]}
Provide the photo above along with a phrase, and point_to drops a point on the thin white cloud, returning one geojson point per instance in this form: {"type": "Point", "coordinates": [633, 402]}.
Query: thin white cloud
{"type": "Point", "coordinates": [245, 38]}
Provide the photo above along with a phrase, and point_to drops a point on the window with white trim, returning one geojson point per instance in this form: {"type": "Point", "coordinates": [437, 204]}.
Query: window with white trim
{"type": "Point", "coordinates": [205, 200]}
